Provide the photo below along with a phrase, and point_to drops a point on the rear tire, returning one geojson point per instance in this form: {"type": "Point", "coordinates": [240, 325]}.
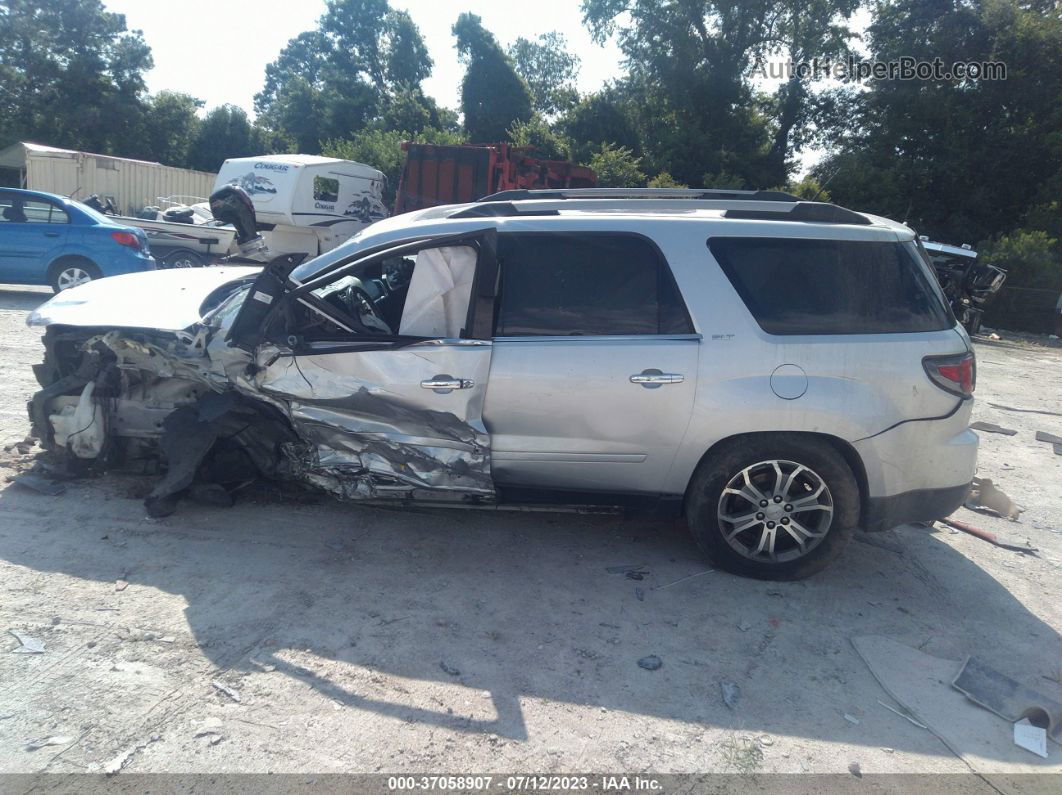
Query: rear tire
{"type": "Point", "coordinates": [182, 258]}
{"type": "Point", "coordinates": [67, 272]}
{"type": "Point", "coordinates": [747, 530]}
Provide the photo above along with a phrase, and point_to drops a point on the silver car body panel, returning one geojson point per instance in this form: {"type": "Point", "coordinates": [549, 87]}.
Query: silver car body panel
{"type": "Point", "coordinates": [563, 412]}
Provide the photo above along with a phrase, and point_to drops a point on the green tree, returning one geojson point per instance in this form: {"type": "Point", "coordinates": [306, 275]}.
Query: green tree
{"type": "Point", "coordinates": [600, 118]}
{"type": "Point", "coordinates": [961, 159]}
{"type": "Point", "coordinates": [617, 167]}
{"type": "Point", "coordinates": [71, 75]}
{"type": "Point", "coordinates": [493, 95]}
{"type": "Point", "coordinates": [1030, 256]}
{"type": "Point", "coordinates": [690, 67]}
{"type": "Point", "coordinates": [545, 142]}
{"type": "Point", "coordinates": [170, 124]}
{"type": "Point", "coordinates": [664, 180]}
{"type": "Point", "coordinates": [339, 78]}
{"type": "Point", "coordinates": [549, 70]}
{"type": "Point", "coordinates": [224, 132]}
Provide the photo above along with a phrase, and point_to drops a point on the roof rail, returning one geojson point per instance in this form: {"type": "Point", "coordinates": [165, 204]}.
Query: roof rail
{"type": "Point", "coordinates": [810, 212]}
{"type": "Point", "coordinates": [642, 193]}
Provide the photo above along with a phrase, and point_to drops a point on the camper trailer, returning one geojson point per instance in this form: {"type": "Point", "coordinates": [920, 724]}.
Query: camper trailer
{"type": "Point", "coordinates": [306, 203]}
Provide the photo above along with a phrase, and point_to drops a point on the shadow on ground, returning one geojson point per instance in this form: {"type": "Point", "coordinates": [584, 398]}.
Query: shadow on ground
{"type": "Point", "coordinates": [521, 605]}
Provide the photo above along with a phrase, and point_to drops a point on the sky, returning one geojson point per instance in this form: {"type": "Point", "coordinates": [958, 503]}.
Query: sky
{"type": "Point", "coordinates": [218, 50]}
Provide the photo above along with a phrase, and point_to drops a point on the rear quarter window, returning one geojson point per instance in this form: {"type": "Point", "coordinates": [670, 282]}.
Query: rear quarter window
{"type": "Point", "coordinates": [801, 286]}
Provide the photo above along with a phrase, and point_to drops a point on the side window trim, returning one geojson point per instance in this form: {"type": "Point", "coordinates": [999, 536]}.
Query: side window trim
{"type": "Point", "coordinates": [482, 240]}
{"type": "Point", "coordinates": [664, 273]}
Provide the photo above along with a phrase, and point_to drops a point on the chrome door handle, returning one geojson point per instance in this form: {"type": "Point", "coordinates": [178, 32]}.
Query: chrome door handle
{"type": "Point", "coordinates": [444, 384]}
{"type": "Point", "coordinates": [652, 379]}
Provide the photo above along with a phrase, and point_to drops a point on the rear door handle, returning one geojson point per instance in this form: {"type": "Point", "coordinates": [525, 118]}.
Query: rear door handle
{"type": "Point", "coordinates": [443, 384]}
{"type": "Point", "coordinates": [51, 234]}
{"type": "Point", "coordinates": [652, 379]}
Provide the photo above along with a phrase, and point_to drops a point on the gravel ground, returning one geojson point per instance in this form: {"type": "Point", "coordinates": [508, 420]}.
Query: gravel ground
{"type": "Point", "coordinates": [311, 636]}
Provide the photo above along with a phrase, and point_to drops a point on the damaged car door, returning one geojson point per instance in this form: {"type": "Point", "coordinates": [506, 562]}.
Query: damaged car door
{"type": "Point", "coordinates": [383, 369]}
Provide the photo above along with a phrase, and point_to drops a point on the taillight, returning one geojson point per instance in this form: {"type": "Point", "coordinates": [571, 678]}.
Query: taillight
{"type": "Point", "coordinates": [954, 374]}
{"type": "Point", "coordinates": [126, 239]}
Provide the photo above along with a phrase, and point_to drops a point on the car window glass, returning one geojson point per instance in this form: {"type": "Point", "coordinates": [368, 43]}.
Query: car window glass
{"type": "Point", "coordinates": [40, 212]}
{"type": "Point", "coordinates": [801, 286]}
{"type": "Point", "coordinates": [10, 209]}
{"type": "Point", "coordinates": [585, 284]}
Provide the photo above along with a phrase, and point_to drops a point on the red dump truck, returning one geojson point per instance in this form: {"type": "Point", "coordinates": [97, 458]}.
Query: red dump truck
{"type": "Point", "coordinates": [455, 174]}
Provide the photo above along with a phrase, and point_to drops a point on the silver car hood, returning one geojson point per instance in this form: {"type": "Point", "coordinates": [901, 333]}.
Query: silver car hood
{"type": "Point", "coordinates": [166, 300]}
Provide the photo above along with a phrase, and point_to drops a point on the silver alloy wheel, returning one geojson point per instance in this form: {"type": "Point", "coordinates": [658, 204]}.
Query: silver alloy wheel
{"type": "Point", "coordinates": [775, 511]}
{"type": "Point", "coordinates": [183, 261]}
{"type": "Point", "coordinates": [72, 276]}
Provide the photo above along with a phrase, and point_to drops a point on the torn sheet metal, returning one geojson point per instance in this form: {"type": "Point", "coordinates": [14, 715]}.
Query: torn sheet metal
{"type": "Point", "coordinates": [358, 426]}
{"type": "Point", "coordinates": [373, 430]}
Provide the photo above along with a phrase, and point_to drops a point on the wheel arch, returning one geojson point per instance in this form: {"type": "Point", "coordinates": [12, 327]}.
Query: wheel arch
{"type": "Point", "coordinates": [844, 449]}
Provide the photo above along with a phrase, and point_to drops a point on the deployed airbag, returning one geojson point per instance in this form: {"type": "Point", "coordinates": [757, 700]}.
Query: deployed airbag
{"type": "Point", "coordinates": [437, 303]}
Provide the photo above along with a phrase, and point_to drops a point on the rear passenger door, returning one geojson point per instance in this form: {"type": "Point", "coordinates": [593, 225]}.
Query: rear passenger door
{"type": "Point", "coordinates": [594, 367]}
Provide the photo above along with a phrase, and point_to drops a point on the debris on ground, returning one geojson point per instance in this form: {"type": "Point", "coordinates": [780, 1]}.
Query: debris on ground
{"type": "Point", "coordinates": [853, 767]}
{"type": "Point", "coordinates": [984, 535]}
{"type": "Point", "coordinates": [1050, 438]}
{"type": "Point", "coordinates": [991, 427]}
{"type": "Point", "coordinates": [985, 494]}
{"type": "Point", "coordinates": [209, 730]}
{"type": "Point", "coordinates": [30, 645]}
{"type": "Point", "coordinates": [731, 693]}
{"type": "Point", "coordinates": [1030, 737]}
{"type": "Point", "coordinates": [1007, 698]}
{"type": "Point", "coordinates": [683, 579]}
{"type": "Point", "coordinates": [449, 669]}
{"type": "Point", "coordinates": [918, 682]}
{"type": "Point", "coordinates": [23, 447]}
{"type": "Point", "coordinates": [903, 715]}
{"type": "Point", "coordinates": [115, 765]}
{"type": "Point", "coordinates": [650, 663]}
{"type": "Point", "coordinates": [635, 575]}
{"type": "Point", "coordinates": [61, 739]}
{"type": "Point", "coordinates": [639, 594]}
{"type": "Point", "coordinates": [267, 667]}
{"type": "Point", "coordinates": [851, 719]}
{"type": "Point", "coordinates": [1026, 411]}
{"type": "Point", "coordinates": [39, 484]}
{"type": "Point", "coordinates": [626, 569]}
{"type": "Point", "coordinates": [228, 691]}
{"type": "Point", "coordinates": [744, 626]}
{"type": "Point", "coordinates": [121, 585]}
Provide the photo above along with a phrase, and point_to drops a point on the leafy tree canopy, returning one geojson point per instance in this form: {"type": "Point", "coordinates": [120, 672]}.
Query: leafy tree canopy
{"type": "Point", "coordinates": [493, 95]}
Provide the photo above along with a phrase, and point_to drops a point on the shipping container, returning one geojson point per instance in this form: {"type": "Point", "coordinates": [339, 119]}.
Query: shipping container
{"type": "Point", "coordinates": [436, 175]}
{"type": "Point", "coordinates": [131, 184]}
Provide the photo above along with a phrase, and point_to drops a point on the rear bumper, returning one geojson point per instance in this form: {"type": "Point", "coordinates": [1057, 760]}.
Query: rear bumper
{"type": "Point", "coordinates": [923, 505]}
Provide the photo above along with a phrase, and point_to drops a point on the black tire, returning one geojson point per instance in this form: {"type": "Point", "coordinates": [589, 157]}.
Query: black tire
{"type": "Point", "coordinates": [826, 465]}
{"type": "Point", "coordinates": [181, 258]}
{"type": "Point", "coordinates": [63, 269]}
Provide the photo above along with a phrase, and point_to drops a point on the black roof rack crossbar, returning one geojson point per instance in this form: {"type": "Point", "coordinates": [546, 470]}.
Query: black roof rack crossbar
{"type": "Point", "coordinates": [643, 193]}
{"type": "Point", "coordinates": [498, 209]}
{"type": "Point", "coordinates": [809, 212]}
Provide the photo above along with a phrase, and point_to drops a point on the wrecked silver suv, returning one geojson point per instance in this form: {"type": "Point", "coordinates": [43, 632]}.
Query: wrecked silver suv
{"type": "Point", "coordinates": [779, 371]}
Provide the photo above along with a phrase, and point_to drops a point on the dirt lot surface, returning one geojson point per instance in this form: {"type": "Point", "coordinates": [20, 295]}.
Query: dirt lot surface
{"type": "Point", "coordinates": [321, 637]}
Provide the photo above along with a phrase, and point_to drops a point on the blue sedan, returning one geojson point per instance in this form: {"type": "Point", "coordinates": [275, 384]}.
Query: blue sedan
{"type": "Point", "coordinates": [48, 239]}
